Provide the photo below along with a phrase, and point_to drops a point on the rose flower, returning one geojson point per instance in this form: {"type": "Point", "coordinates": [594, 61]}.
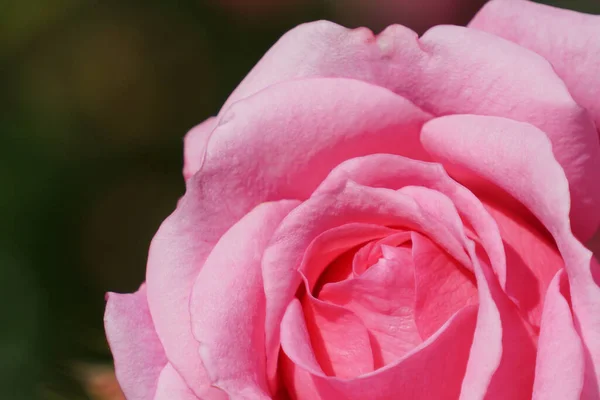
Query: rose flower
{"type": "Point", "coordinates": [383, 217]}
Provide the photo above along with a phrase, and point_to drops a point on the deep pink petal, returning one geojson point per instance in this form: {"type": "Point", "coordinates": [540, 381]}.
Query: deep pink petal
{"type": "Point", "coordinates": [442, 286]}
{"type": "Point", "coordinates": [340, 340]}
{"type": "Point", "coordinates": [384, 299]}
{"type": "Point", "coordinates": [370, 253]}
{"type": "Point", "coordinates": [194, 146]}
{"type": "Point", "coordinates": [569, 40]}
{"type": "Point", "coordinates": [172, 386]}
{"type": "Point", "coordinates": [540, 184]}
{"type": "Point", "coordinates": [450, 70]}
{"type": "Point", "coordinates": [227, 304]}
{"type": "Point", "coordinates": [138, 354]}
{"type": "Point", "coordinates": [332, 243]}
{"type": "Point", "coordinates": [560, 364]}
{"type": "Point", "coordinates": [532, 261]}
{"type": "Point", "coordinates": [421, 374]}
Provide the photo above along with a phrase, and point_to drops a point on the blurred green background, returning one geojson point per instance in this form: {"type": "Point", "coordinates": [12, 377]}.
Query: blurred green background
{"type": "Point", "coordinates": [95, 98]}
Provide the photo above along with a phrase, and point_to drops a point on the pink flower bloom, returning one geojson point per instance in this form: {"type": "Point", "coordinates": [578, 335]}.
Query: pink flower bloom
{"type": "Point", "coordinates": [383, 217]}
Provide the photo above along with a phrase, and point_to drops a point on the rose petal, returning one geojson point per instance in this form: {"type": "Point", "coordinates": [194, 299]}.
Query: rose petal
{"type": "Point", "coordinates": [441, 284]}
{"type": "Point", "coordinates": [420, 374]}
{"type": "Point", "coordinates": [532, 260]}
{"type": "Point", "coordinates": [568, 39]}
{"type": "Point", "coordinates": [332, 243]}
{"type": "Point", "coordinates": [383, 298]}
{"type": "Point", "coordinates": [227, 304]}
{"type": "Point", "coordinates": [194, 146]}
{"type": "Point", "coordinates": [137, 351]}
{"type": "Point", "coordinates": [370, 253]}
{"type": "Point", "coordinates": [540, 184]}
{"type": "Point", "coordinates": [450, 70]}
{"type": "Point", "coordinates": [171, 386]}
{"type": "Point", "coordinates": [176, 255]}
{"type": "Point", "coordinates": [560, 365]}
{"type": "Point", "coordinates": [340, 340]}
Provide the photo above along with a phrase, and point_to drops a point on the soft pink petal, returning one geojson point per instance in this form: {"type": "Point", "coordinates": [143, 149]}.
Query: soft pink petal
{"type": "Point", "coordinates": [171, 386]}
{"type": "Point", "coordinates": [194, 146]}
{"type": "Point", "coordinates": [433, 370]}
{"type": "Point", "coordinates": [176, 256]}
{"type": "Point", "coordinates": [320, 123]}
{"type": "Point", "coordinates": [384, 299]}
{"type": "Point", "coordinates": [560, 365]}
{"type": "Point", "coordinates": [442, 286]}
{"type": "Point", "coordinates": [340, 339]}
{"type": "Point", "coordinates": [537, 182]}
{"type": "Point", "coordinates": [137, 351]}
{"type": "Point", "coordinates": [450, 70]}
{"type": "Point", "coordinates": [569, 40]}
{"type": "Point", "coordinates": [350, 203]}
{"type": "Point", "coordinates": [227, 304]}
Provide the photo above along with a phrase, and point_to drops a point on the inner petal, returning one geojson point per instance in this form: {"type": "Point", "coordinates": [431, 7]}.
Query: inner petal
{"type": "Point", "coordinates": [383, 298]}
{"type": "Point", "coordinates": [370, 253]}
{"type": "Point", "coordinates": [442, 286]}
{"type": "Point", "coordinates": [340, 340]}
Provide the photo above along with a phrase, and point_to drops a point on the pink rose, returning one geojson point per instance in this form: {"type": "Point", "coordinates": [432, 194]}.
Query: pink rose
{"type": "Point", "coordinates": [384, 217]}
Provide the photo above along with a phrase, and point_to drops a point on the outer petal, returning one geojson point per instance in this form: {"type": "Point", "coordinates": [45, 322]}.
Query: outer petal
{"type": "Point", "coordinates": [569, 40]}
{"type": "Point", "coordinates": [450, 70]}
{"type": "Point", "coordinates": [560, 365]}
{"type": "Point", "coordinates": [194, 146]}
{"type": "Point", "coordinates": [227, 304]}
{"type": "Point", "coordinates": [171, 386]}
{"type": "Point", "coordinates": [138, 354]}
{"type": "Point", "coordinates": [320, 123]}
{"type": "Point", "coordinates": [540, 184]}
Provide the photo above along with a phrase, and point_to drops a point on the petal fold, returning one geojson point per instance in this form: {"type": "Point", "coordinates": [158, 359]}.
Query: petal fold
{"type": "Point", "coordinates": [227, 304]}
{"type": "Point", "coordinates": [560, 364]}
{"type": "Point", "coordinates": [138, 354]}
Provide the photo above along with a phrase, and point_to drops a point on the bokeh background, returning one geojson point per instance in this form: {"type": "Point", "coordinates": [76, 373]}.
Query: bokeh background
{"type": "Point", "coordinates": [95, 97]}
